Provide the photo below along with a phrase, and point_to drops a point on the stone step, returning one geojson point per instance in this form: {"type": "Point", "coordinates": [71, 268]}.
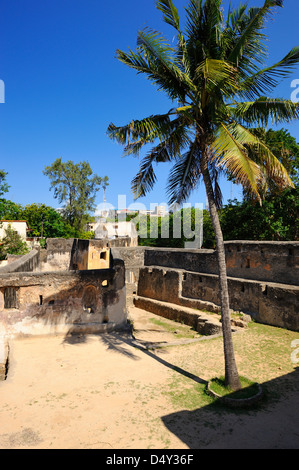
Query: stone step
{"type": "Point", "coordinates": [202, 322]}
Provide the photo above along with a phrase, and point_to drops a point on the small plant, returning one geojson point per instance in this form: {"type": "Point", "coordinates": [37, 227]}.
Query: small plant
{"type": "Point", "coordinates": [13, 243]}
{"type": "Point", "coordinates": [43, 243]}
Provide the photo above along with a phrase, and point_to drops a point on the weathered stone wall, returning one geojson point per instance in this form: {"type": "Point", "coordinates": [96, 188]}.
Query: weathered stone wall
{"type": "Point", "coordinates": [57, 256]}
{"type": "Point", "coordinates": [269, 303]}
{"type": "Point", "coordinates": [203, 261]}
{"type": "Point", "coordinates": [71, 254]}
{"type": "Point", "coordinates": [28, 263]}
{"type": "Point", "coordinates": [263, 278]}
{"type": "Point", "coordinates": [69, 286]}
{"type": "Point", "coordinates": [264, 261]}
{"type": "Point", "coordinates": [63, 301]}
{"type": "Point", "coordinates": [133, 258]}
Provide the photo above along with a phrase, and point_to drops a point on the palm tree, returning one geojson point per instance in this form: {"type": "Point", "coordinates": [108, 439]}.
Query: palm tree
{"type": "Point", "coordinates": [216, 78]}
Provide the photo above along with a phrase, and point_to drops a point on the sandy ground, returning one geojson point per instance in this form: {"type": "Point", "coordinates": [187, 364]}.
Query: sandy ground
{"type": "Point", "coordinates": [103, 392]}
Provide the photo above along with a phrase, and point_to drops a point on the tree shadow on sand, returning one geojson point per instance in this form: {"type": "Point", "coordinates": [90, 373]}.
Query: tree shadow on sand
{"type": "Point", "coordinates": [271, 424]}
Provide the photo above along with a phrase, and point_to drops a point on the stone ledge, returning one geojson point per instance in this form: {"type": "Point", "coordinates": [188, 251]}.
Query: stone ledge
{"type": "Point", "coordinates": [203, 323]}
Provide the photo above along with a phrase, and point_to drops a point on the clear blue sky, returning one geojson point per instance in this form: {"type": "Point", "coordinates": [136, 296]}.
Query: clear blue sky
{"type": "Point", "coordinates": [63, 86]}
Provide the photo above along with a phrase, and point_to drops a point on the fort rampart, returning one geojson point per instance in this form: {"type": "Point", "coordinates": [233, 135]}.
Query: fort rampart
{"type": "Point", "coordinates": [263, 279]}
{"type": "Point", "coordinates": [73, 286]}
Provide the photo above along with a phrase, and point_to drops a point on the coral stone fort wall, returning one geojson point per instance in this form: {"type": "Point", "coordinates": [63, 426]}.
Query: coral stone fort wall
{"type": "Point", "coordinates": [73, 286]}
{"type": "Point", "coordinates": [262, 278]}
{"type": "Point", "coordinates": [86, 285]}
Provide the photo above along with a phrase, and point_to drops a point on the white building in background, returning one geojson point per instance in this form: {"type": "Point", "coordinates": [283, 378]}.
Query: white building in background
{"type": "Point", "coordinates": [19, 226]}
{"type": "Point", "coordinates": [160, 211]}
{"type": "Point", "coordinates": [113, 230]}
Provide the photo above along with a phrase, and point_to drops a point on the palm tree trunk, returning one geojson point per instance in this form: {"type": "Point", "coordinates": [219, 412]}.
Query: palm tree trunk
{"type": "Point", "coordinates": [231, 372]}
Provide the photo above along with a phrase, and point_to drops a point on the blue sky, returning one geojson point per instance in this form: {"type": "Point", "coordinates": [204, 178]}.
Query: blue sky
{"type": "Point", "coordinates": [63, 86]}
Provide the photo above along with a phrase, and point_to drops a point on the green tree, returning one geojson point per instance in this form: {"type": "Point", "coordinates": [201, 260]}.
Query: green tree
{"type": "Point", "coordinates": [43, 221]}
{"type": "Point", "coordinates": [13, 244]}
{"type": "Point", "coordinates": [75, 186]}
{"type": "Point", "coordinates": [215, 77]}
{"type": "Point", "coordinates": [4, 187]}
{"type": "Point", "coordinates": [276, 219]}
{"type": "Point", "coordinates": [9, 210]}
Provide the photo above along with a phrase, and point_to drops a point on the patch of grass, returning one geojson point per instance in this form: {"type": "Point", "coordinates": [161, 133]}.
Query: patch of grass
{"type": "Point", "coordinates": [178, 329]}
{"type": "Point", "coordinates": [184, 393]}
{"type": "Point", "coordinates": [248, 390]}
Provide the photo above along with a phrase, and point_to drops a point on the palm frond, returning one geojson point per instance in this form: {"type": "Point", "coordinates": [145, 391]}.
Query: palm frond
{"type": "Point", "coordinates": [162, 58]}
{"type": "Point", "coordinates": [158, 74]}
{"type": "Point", "coordinates": [248, 159]}
{"type": "Point", "coordinates": [249, 40]}
{"type": "Point", "coordinates": [170, 13]}
{"type": "Point", "coordinates": [230, 152]}
{"type": "Point", "coordinates": [184, 176]}
{"type": "Point", "coordinates": [219, 77]}
{"type": "Point", "coordinates": [260, 111]}
{"type": "Point", "coordinates": [146, 178]}
{"type": "Point", "coordinates": [165, 151]}
{"type": "Point", "coordinates": [145, 130]}
{"type": "Point", "coordinates": [266, 79]}
{"type": "Point", "coordinates": [203, 31]}
{"type": "Point", "coordinates": [266, 159]}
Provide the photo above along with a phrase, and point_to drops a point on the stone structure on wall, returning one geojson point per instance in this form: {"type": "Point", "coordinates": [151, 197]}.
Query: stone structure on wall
{"type": "Point", "coordinates": [73, 286]}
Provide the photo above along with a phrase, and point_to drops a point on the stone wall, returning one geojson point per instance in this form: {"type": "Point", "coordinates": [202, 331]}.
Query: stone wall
{"type": "Point", "coordinates": [71, 254]}
{"type": "Point", "coordinates": [133, 258]}
{"type": "Point", "coordinates": [68, 287]}
{"type": "Point", "coordinates": [63, 301]}
{"type": "Point", "coordinates": [29, 262]}
{"type": "Point", "coordinates": [268, 303]}
{"type": "Point", "coordinates": [263, 279]}
{"type": "Point", "coordinates": [264, 261]}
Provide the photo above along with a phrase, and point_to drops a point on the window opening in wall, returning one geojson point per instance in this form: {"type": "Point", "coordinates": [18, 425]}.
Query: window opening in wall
{"type": "Point", "coordinates": [248, 263]}
{"type": "Point", "coordinates": [10, 298]}
{"type": "Point", "coordinates": [265, 290]}
{"type": "Point", "coordinates": [41, 300]}
{"type": "Point", "coordinates": [103, 255]}
{"type": "Point", "coordinates": [89, 309]}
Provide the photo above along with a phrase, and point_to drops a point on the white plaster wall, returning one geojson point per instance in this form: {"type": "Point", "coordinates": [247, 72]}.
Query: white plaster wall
{"type": "Point", "coordinates": [17, 226]}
